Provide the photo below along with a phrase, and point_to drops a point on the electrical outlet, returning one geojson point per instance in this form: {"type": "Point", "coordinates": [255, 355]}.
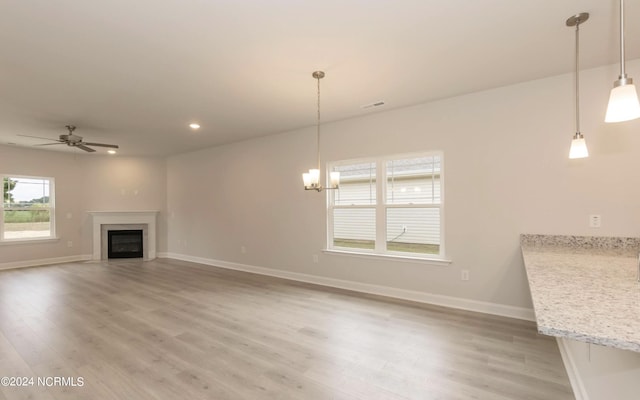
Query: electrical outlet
{"type": "Point", "coordinates": [315, 259]}
{"type": "Point", "coordinates": [464, 275]}
{"type": "Point", "coordinates": [69, 243]}
{"type": "Point", "coordinates": [595, 221]}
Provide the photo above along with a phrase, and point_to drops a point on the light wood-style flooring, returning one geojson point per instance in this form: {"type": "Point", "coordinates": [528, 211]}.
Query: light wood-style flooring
{"type": "Point", "coordinates": [174, 330]}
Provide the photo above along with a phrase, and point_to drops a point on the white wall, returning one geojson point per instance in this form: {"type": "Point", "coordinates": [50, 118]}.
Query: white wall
{"type": "Point", "coordinates": [506, 173]}
{"type": "Point", "coordinates": [245, 194]}
{"type": "Point", "coordinates": [84, 183]}
{"type": "Point", "coordinates": [125, 184]}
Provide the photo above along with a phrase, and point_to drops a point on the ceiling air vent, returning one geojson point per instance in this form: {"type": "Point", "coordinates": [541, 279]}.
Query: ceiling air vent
{"type": "Point", "coordinates": [372, 105]}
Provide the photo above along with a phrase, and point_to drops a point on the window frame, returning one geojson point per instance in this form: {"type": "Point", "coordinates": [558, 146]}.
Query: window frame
{"type": "Point", "coordinates": [51, 208]}
{"type": "Point", "coordinates": [381, 206]}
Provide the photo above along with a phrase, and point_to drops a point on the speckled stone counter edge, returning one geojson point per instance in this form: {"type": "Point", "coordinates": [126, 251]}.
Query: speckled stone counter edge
{"type": "Point", "coordinates": [622, 245]}
{"type": "Point", "coordinates": [602, 341]}
{"type": "Point", "coordinates": [596, 245]}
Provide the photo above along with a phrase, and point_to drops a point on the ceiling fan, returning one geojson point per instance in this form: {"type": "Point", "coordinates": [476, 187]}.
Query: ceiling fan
{"type": "Point", "coordinates": [73, 141]}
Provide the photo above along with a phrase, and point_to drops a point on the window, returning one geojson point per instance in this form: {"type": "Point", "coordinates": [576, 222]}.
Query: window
{"type": "Point", "coordinates": [27, 208]}
{"type": "Point", "coordinates": [388, 205]}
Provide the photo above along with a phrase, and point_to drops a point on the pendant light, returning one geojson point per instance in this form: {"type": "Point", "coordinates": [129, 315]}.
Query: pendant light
{"type": "Point", "coordinates": [578, 144]}
{"type": "Point", "coordinates": [311, 179]}
{"type": "Point", "coordinates": [623, 101]}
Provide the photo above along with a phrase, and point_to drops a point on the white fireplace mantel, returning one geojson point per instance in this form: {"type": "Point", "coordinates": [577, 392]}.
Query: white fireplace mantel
{"type": "Point", "coordinates": [100, 218]}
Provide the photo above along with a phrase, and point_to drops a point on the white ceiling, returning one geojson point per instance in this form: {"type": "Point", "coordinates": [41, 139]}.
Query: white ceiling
{"type": "Point", "coordinates": [135, 73]}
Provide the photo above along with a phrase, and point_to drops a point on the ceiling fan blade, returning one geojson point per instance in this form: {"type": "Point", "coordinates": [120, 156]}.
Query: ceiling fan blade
{"type": "Point", "coordinates": [113, 146]}
{"type": "Point", "coordinates": [50, 144]}
{"type": "Point", "coordinates": [40, 137]}
{"type": "Point", "coordinates": [85, 148]}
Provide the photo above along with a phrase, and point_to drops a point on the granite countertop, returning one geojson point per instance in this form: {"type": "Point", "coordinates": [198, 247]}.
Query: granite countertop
{"type": "Point", "coordinates": [585, 288]}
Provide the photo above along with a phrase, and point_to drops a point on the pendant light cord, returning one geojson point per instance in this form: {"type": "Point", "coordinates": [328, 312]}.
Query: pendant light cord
{"type": "Point", "coordinates": [318, 126]}
{"type": "Point", "coordinates": [623, 74]}
{"type": "Point", "coordinates": [578, 78]}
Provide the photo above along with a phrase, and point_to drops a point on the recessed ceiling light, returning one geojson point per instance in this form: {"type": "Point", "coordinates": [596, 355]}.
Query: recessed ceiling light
{"type": "Point", "coordinates": [194, 126]}
{"type": "Point", "coordinates": [111, 151]}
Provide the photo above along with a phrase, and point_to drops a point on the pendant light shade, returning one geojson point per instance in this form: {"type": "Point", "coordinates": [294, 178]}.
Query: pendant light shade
{"type": "Point", "coordinates": [578, 147]}
{"type": "Point", "coordinates": [578, 144]}
{"type": "Point", "coordinates": [623, 101]}
{"type": "Point", "coordinates": [311, 179]}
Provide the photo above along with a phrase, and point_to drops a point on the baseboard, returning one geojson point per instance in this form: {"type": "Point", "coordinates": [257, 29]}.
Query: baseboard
{"type": "Point", "coordinates": [577, 384]}
{"type": "Point", "coordinates": [45, 261]}
{"type": "Point", "coordinates": [411, 295]}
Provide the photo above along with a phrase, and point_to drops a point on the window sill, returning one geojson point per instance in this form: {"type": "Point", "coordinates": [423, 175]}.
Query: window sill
{"type": "Point", "coordinates": [422, 260]}
{"type": "Point", "coordinates": [9, 242]}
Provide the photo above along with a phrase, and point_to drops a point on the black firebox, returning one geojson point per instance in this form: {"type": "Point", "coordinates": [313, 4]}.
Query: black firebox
{"type": "Point", "coordinates": [125, 244]}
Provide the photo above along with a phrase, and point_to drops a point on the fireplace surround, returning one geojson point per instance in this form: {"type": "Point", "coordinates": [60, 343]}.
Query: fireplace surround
{"type": "Point", "coordinates": [103, 221]}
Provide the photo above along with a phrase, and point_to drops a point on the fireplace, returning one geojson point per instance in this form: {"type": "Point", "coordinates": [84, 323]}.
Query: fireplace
{"type": "Point", "coordinates": [125, 243]}
{"type": "Point", "coordinates": [105, 221]}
